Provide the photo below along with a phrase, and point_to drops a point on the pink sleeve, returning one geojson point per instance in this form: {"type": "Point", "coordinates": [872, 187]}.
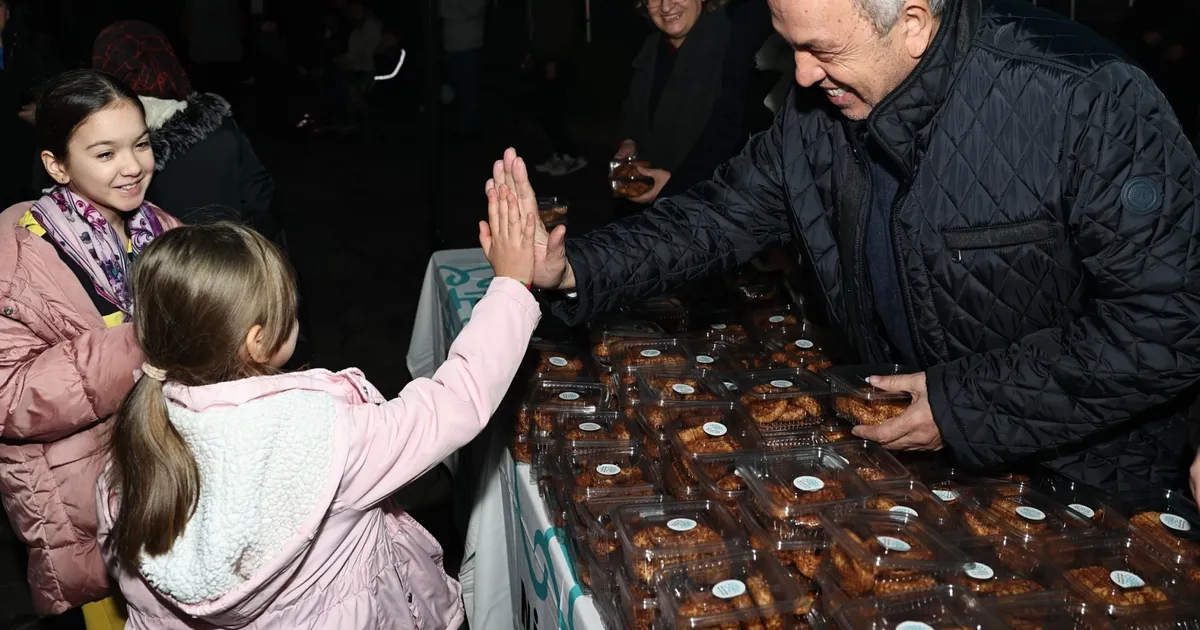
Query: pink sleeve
{"type": "Point", "coordinates": [49, 392]}
{"type": "Point", "coordinates": [393, 443]}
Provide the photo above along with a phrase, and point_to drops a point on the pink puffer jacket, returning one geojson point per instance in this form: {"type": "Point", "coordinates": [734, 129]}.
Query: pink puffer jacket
{"type": "Point", "coordinates": [62, 374]}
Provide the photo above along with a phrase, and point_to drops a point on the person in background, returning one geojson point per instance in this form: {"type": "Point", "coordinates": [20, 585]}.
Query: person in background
{"type": "Point", "coordinates": [24, 64]}
{"type": "Point", "coordinates": [68, 356]}
{"type": "Point", "coordinates": [554, 25]}
{"type": "Point", "coordinates": [462, 39]}
{"type": "Point", "coordinates": [356, 66]}
{"type": "Point", "coordinates": [214, 31]}
{"type": "Point", "coordinates": [205, 167]}
{"type": "Point", "coordinates": [677, 80]}
{"type": "Point", "coordinates": [293, 528]}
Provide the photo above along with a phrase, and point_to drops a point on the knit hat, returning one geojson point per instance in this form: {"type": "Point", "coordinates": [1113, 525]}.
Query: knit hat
{"type": "Point", "coordinates": [140, 55]}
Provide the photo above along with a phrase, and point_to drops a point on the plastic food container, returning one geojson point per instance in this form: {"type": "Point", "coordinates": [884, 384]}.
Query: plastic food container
{"type": "Point", "coordinates": [713, 356]}
{"type": "Point", "coordinates": [1168, 523]}
{"type": "Point", "coordinates": [668, 312]}
{"type": "Point", "coordinates": [655, 536]}
{"type": "Point", "coordinates": [553, 211]}
{"type": "Point", "coordinates": [835, 430]}
{"type": "Point", "coordinates": [783, 400]}
{"type": "Point", "coordinates": [605, 331]}
{"type": "Point", "coordinates": [858, 401]}
{"type": "Point", "coordinates": [1085, 502]}
{"type": "Point", "coordinates": [1122, 577]}
{"type": "Point", "coordinates": [945, 608]}
{"type": "Point", "coordinates": [798, 485]}
{"type": "Point", "coordinates": [1035, 613]}
{"type": "Point", "coordinates": [680, 388]}
{"type": "Point", "coordinates": [603, 474]}
{"type": "Point", "coordinates": [915, 500]}
{"type": "Point", "coordinates": [801, 555]}
{"type": "Point", "coordinates": [879, 553]}
{"type": "Point", "coordinates": [639, 607]}
{"type": "Point", "coordinates": [550, 361]}
{"type": "Point", "coordinates": [695, 431]}
{"type": "Point", "coordinates": [753, 286]}
{"type": "Point", "coordinates": [626, 179]}
{"type": "Point", "coordinates": [608, 430]}
{"type": "Point", "coordinates": [725, 327]}
{"type": "Point", "coordinates": [593, 522]}
{"type": "Point", "coordinates": [1021, 512]}
{"type": "Point", "coordinates": [679, 477]}
{"type": "Point", "coordinates": [1003, 567]}
{"type": "Point", "coordinates": [797, 347]}
{"type": "Point", "coordinates": [948, 484]}
{"type": "Point", "coordinates": [745, 590]}
{"type": "Point", "coordinates": [633, 356]}
{"type": "Point", "coordinates": [871, 461]}
{"type": "Point", "coordinates": [792, 440]}
{"type": "Point", "coordinates": [750, 357]}
{"type": "Point", "coordinates": [719, 477]}
{"type": "Point", "coordinates": [769, 320]}
{"type": "Point", "coordinates": [547, 398]}
{"type": "Point", "coordinates": [524, 448]}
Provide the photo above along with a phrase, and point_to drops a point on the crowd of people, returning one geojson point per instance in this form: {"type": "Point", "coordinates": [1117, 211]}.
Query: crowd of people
{"type": "Point", "coordinates": [1005, 204]}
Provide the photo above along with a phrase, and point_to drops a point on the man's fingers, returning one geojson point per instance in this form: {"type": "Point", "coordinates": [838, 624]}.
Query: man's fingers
{"type": "Point", "coordinates": [888, 431]}
{"type": "Point", "coordinates": [485, 238]}
{"type": "Point", "coordinates": [898, 383]}
{"type": "Point", "coordinates": [531, 220]}
{"type": "Point", "coordinates": [554, 244]}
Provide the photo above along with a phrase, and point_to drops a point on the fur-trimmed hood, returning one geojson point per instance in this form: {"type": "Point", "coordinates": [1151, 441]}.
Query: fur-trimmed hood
{"type": "Point", "coordinates": [176, 126]}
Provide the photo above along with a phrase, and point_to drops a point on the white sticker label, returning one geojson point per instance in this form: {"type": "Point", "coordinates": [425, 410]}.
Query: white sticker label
{"type": "Point", "coordinates": [589, 426]}
{"type": "Point", "coordinates": [681, 388]}
{"type": "Point", "coordinates": [1125, 579]}
{"type": "Point", "coordinates": [719, 326]}
{"type": "Point", "coordinates": [608, 469]}
{"type": "Point", "coordinates": [913, 625]}
{"type": "Point", "coordinates": [804, 344]}
{"type": "Point", "coordinates": [681, 524]}
{"type": "Point", "coordinates": [1177, 523]}
{"type": "Point", "coordinates": [893, 544]}
{"type": "Point", "coordinates": [775, 319]}
{"type": "Point", "coordinates": [980, 571]}
{"type": "Point", "coordinates": [1030, 513]}
{"type": "Point", "coordinates": [781, 384]}
{"type": "Point", "coordinates": [730, 385]}
{"type": "Point", "coordinates": [946, 495]}
{"type": "Point", "coordinates": [650, 353]}
{"type": "Point", "coordinates": [904, 509]}
{"type": "Point", "coordinates": [558, 362]}
{"type": "Point", "coordinates": [808, 484]}
{"type": "Point", "coordinates": [729, 589]}
{"type": "Point", "coordinates": [1083, 509]}
{"type": "Point", "coordinates": [569, 396]}
{"type": "Point", "coordinates": [715, 429]}
{"type": "Point", "coordinates": [705, 359]}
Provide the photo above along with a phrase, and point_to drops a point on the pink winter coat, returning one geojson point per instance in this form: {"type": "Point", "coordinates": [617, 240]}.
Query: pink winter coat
{"type": "Point", "coordinates": [62, 374]}
{"type": "Point", "coordinates": [289, 531]}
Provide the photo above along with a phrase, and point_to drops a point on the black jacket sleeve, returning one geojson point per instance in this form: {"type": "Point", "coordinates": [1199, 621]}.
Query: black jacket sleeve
{"type": "Point", "coordinates": [1131, 182]}
{"type": "Point", "coordinates": [718, 223]}
{"type": "Point", "coordinates": [257, 189]}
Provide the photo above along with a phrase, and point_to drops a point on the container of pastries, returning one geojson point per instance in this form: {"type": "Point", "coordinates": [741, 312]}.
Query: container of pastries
{"type": "Point", "coordinates": [639, 606]}
{"type": "Point", "coordinates": [769, 320]}
{"type": "Point", "coordinates": [791, 440]}
{"type": "Point", "coordinates": [1048, 613]}
{"type": "Point", "coordinates": [835, 430]}
{"type": "Point", "coordinates": [547, 398]}
{"type": "Point", "coordinates": [526, 448]}
{"type": "Point", "coordinates": [725, 327]}
{"type": "Point", "coordinates": [915, 500]}
{"type": "Point", "coordinates": [871, 461]}
{"type": "Point", "coordinates": [550, 361]}
{"type": "Point", "coordinates": [751, 356]}
{"type": "Point", "coordinates": [709, 430]}
{"type": "Point", "coordinates": [679, 477]}
{"type": "Point", "coordinates": [1168, 523]}
{"type": "Point", "coordinates": [713, 356]}
{"type": "Point", "coordinates": [798, 485]}
{"type": "Point", "coordinates": [744, 591]}
{"type": "Point", "coordinates": [858, 401]}
{"type": "Point", "coordinates": [1003, 567]}
{"type": "Point", "coordinates": [752, 286]}
{"type": "Point", "coordinates": [594, 475]}
{"type": "Point", "coordinates": [878, 553]}
{"type": "Point", "coordinates": [719, 477]}
{"type": "Point", "coordinates": [680, 389]}
{"type": "Point", "coordinates": [1019, 511]}
{"type": "Point", "coordinates": [575, 433]}
{"type": "Point", "coordinates": [627, 181]}
{"type": "Point", "coordinates": [944, 608]}
{"type": "Point", "coordinates": [1123, 578]}
{"type": "Point", "coordinates": [1085, 502]}
{"type": "Point", "coordinates": [800, 554]}
{"type": "Point", "coordinates": [948, 484]}
{"type": "Point", "coordinates": [603, 332]}
{"type": "Point", "coordinates": [783, 400]}
{"type": "Point", "coordinates": [553, 211]}
{"type": "Point", "coordinates": [659, 535]}
{"type": "Point", "coordinates": [593, 522]}
{"type": "Point", "coordinates": [668, 312]}
{"type": "Point", "coordinates": [797, 347]}
{"type": "Point", "coordinates": [631, 357]}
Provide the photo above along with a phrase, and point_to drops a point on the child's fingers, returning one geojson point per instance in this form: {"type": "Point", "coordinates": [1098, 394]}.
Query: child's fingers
{"type": "Point", "coordinates": [493, 206]}
{"type": "Point", "coordinates": [500, 227]}
{"type": "Point", "coordinates": [514, 216]}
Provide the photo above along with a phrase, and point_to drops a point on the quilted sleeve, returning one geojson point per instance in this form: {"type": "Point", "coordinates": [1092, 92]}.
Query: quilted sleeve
{"type": "Point", "coordinates": [716, 224]}
{"type": "Point", "coordinates": [1132, 182]}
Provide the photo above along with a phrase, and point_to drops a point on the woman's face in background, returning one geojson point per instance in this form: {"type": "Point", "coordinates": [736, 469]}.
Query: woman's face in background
{"type": "Point", "coordinates": [109, 159]}
{"type": "Point", "coordinates": [675, 18]}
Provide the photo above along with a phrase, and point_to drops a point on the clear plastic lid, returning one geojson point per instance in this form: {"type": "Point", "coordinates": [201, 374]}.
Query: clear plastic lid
{"type": "Point", "coordinates": [797, 347]}
{"type": "Point", "coordinates": [797, 485]}
{"type": "Point", "coordinates": [872, 462]}
{"type": "Point", "coordinates": [593, 520]}
{"type": "Point", "coordinates": [594, 475]}
{"type": "Point", "coordinates": [1086, 502]}
{"type": "Point", "coordinates": [724, 326]}
{"type": "Point", "coordinates": [1002, 566]}
{"type": "Point", "coordinates": [770, 319]}
{"type": "Point", "coordinates": [680, 479]}
{"type": "Point", "coordinates": [553, 211]}
{"type": "Point", "coordinates": [713, 356]}
{"type": "Point", "coordinates": [626, 166]}
{"type": "Point", "coordinates": [631, 186]}
{"type": "Point", "coordinates": [835, 431]}
{"type": "Point", "coordinates": [525, 448]}
{"type": "Point", "coordinates": [557, 362]}
{"type": "Point", "coordinates": [914, 499]}
{"type": "Point", "coordinates": [858, 401]}
{"type": "Point", "coordinates": [887, 552]}
{"type": "Point", "coordinates": [604, 430]}
{"type": "Point", "coordinates": [732, 591]}
{"type": "Point", "coordinates": [654, 536]}
{"type": "Point", "coordinates": [639, 606]}
{"type": "Point", "coordinates": [546, 398]}
{"type": "Point", "coordinates": [680, 388]}
{"type": "Point", "coordinates": [800, 554]}
{"type": "Point", "coordinates": [718, 475]}
{"type": "Point", "coordinates": [948, 484]}
{"type": "Point", "coordinates": [603, 332]}
{"type": "Point", "coordinates": [709, 430]}
{"type": "Point", "coordinates": [1122, 577]}
{"type": "Point", "coordinates": [633, 356]}
{"type": "Point", "coordinates": [1019, 511]}
{"type": "Point", "coordinates": [804, 438]}
{"type": "Point", "coordinates": [749, 357]}
{"type": "Point", "coordinates": [667, 311]}
{"type": "Point", "coordinates": [1167, 521]}
{"type": "Point", "coordinates": [944, 608]}
{"type": "Point", "coordinates": [1035, 613]}
{"type": "Point", "coordinates": [783, 400]}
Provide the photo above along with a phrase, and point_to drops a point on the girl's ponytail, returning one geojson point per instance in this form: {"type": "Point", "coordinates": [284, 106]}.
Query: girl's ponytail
{"type": "Point", "coordinates": [154, 474]}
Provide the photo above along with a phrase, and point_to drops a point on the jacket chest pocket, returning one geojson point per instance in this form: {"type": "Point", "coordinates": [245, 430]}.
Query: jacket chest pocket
{"type": "Point", "coordinates": [1000, 237]}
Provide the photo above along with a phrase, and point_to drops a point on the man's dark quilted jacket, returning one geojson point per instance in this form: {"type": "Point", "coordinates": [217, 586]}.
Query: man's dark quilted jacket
{"type": "Point", "coordinates": [1045, 234]}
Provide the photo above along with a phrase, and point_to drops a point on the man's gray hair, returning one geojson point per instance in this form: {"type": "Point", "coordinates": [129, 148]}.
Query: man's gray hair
{"type": "Point", "coordinates": [882, 14]}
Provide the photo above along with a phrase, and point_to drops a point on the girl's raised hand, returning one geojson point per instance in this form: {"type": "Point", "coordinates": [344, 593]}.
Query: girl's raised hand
{"type": "Point", "coordinates": [507, 237]}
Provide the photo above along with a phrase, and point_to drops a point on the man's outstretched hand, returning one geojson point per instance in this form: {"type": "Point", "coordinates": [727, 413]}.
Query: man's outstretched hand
{"type": "Point", "coordinates": [550, 267]}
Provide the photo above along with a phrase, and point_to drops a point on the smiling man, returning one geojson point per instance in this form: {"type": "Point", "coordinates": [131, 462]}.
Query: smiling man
{"type": "Point", "coordinates": [985, 191]}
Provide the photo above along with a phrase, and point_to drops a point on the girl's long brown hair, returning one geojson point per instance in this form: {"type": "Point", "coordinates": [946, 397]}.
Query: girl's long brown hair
{"type": "Point", "coordinates": [198, 291]}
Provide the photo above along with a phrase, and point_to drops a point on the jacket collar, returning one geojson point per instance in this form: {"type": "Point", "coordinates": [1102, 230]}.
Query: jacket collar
{"type": "Point", "coordinates": [349, 385]}
{"type": "Point", "coordinates": [201, 116]}
{"type": "Point", "coordinates": [900, 122]}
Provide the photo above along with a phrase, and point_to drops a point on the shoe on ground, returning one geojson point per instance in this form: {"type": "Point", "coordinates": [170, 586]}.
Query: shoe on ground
{"type": "Point", "coordinates": [568, 165]}
{"type": "Point", "coordinates": [549, 166]}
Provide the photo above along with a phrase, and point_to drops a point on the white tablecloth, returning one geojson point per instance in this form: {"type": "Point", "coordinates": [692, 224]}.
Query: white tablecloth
{"type": "Point", "coordinates": [525, 581]}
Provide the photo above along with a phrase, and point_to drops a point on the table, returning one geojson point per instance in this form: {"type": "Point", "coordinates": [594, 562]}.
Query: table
{"type": "Point", "coordinates": [527, 582]}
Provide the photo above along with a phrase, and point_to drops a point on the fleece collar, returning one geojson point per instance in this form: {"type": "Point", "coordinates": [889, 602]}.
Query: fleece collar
{"type": "Point", "coordinates": [182, 125]}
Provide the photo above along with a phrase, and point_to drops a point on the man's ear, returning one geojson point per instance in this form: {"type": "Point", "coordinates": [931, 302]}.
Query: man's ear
{"type": "Point", "coordinates": [918, 25]}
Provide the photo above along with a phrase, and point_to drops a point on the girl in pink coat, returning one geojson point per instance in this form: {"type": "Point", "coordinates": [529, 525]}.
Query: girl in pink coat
{"type": "Point", "coordinates": [242, 497]}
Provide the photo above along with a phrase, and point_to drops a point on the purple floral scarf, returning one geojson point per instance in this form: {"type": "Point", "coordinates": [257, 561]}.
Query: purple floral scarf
{"type": "Point", "coordinates": [79, 229]}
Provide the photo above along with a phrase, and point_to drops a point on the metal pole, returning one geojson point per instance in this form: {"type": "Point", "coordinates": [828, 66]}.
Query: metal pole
{"type": "Point", "coordinates": [433, 125]}
{"type": "Point", "coordinates": [587, 13]}
{"type": "Point", "coordinates": [1072, 9]}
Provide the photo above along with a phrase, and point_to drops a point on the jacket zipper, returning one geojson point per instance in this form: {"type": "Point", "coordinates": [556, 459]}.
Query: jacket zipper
{"type": "Point", "coordinates": [866, 305]}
